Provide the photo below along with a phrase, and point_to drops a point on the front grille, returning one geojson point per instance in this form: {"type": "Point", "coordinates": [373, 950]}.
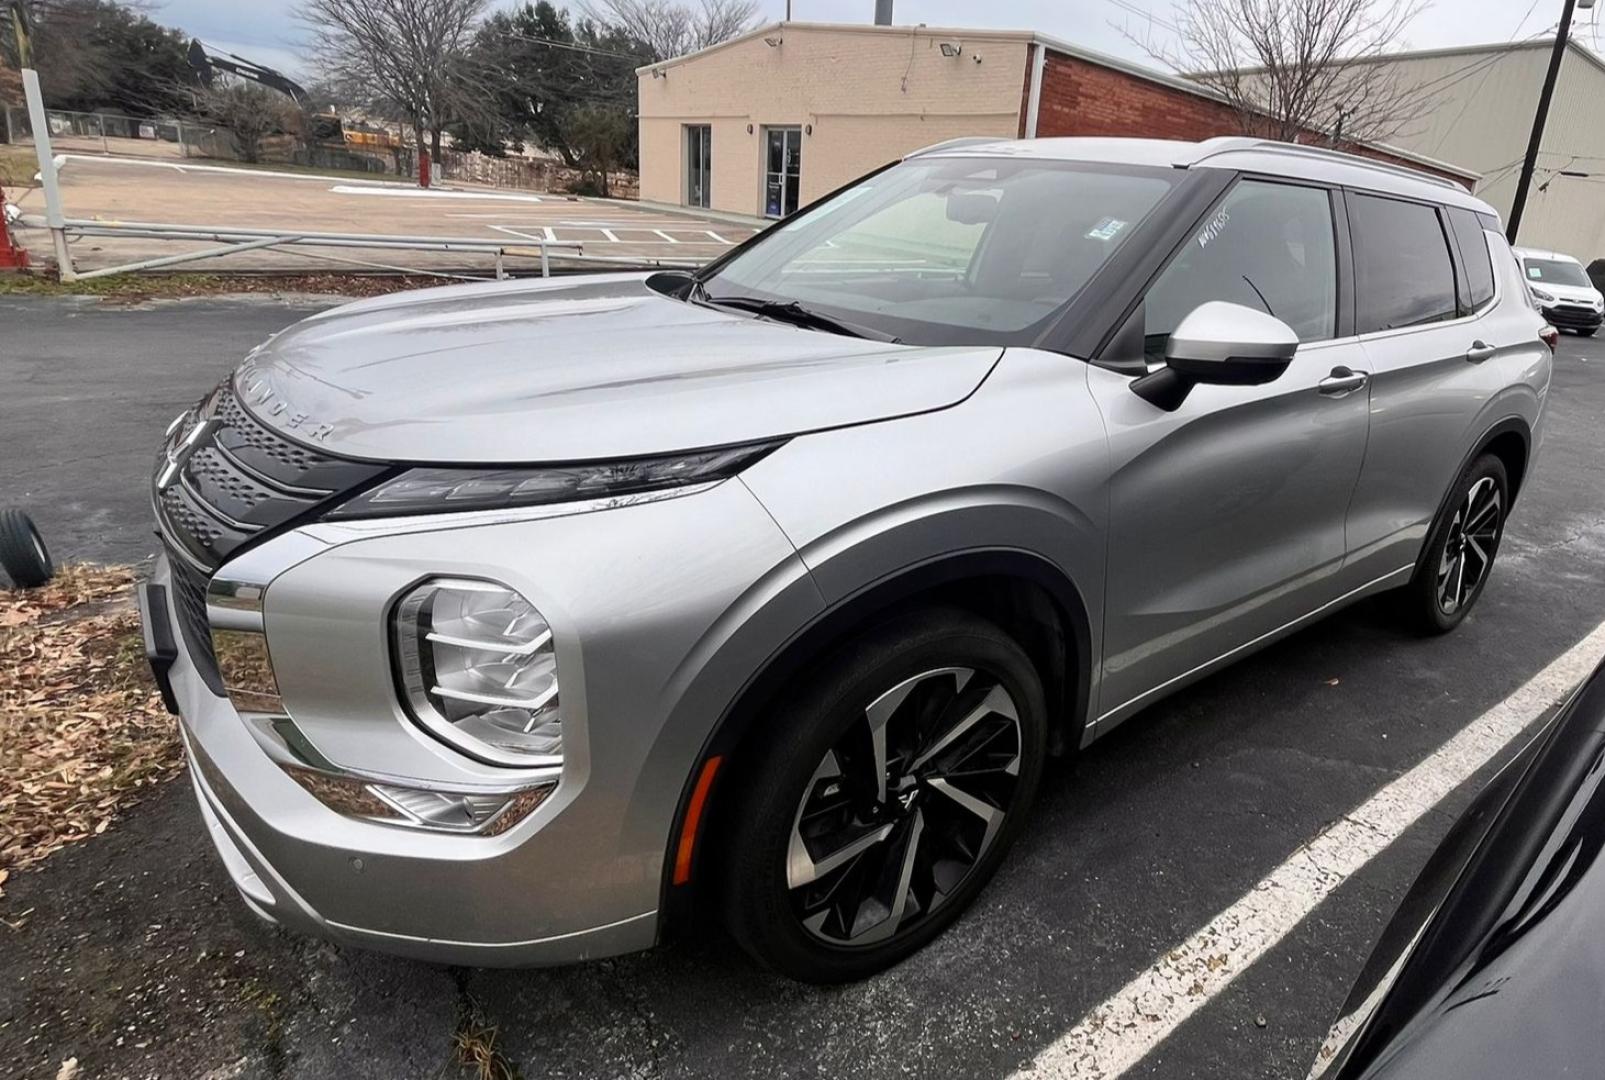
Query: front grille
{"type": "Point", "coordinates": [189, 600]}
{"type": "Point", "coordinates": [221, 488]}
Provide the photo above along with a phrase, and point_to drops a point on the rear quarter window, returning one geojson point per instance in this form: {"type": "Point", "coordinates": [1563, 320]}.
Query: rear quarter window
{"type": "Point", "coordinates": [1403, 274]}
{"type": "Point", "coordinates": [1478, 287]}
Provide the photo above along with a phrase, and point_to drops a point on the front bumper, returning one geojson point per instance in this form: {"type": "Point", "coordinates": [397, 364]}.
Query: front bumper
{"type": "Point", "coordinates": [1573, 317]}
{"type": "Point", "coordinates": [299, 864]}
{"type": "Point", "coordinates": [645, 675]}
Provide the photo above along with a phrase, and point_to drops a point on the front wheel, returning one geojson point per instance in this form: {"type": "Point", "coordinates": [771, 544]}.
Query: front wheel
{"type": "Point", "coordinates": [1460, 549]}
{"type": "Point", "coordinates": [894, 781]}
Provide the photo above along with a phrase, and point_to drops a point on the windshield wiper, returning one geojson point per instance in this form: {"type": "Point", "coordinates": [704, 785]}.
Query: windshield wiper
{"type": "Point", "coordinates": [790, 311]}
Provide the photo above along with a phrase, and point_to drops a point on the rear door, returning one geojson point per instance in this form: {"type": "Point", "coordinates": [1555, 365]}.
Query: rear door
{"type": "Point", "coordinates": [1424, 303]}
{"type": "Point", "coordinates": [1227, 515]}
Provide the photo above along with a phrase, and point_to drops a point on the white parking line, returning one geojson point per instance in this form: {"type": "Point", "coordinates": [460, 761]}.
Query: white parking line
{"type": "Point", "coordinates": [1121, 1031]}
{"type": "Point", "coordinates": [433, 193]}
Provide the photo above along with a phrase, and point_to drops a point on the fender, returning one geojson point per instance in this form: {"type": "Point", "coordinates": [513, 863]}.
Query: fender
{"type": "Point", "coordinates": [1510, 424]}
{"type": "Point", "coordinates": [742, 716]}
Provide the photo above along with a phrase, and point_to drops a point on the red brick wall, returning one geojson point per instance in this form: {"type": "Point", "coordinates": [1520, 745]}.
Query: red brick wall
{"type": "Point", "coordinates": [1081, 98]}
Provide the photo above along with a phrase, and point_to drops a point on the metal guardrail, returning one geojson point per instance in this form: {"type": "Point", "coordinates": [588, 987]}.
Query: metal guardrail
{"type": "Point", "coordinates": [232, 239]}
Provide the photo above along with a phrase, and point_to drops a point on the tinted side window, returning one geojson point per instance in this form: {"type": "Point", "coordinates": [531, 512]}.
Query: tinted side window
{"type": "Point", "coordinates": [1478, 288]}
{"type": "Point", "coordinates": [1403, 275]}
{"type": "Point", "coordinates": [1269, 247]}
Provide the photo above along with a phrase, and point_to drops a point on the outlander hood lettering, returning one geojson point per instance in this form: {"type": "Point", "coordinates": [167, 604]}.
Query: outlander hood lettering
{"type": "Point", "coordinates": [256, 389]}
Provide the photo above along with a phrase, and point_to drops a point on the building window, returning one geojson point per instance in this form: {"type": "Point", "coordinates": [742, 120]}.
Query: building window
{"type": "Point", "coordinates": [698, 164]}
{"type": "Point", "coordinates": [782, 170]}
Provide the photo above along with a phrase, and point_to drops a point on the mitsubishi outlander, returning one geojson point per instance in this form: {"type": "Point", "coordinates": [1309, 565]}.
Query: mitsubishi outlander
{"type": "Point", "coordinates": [525, 622]}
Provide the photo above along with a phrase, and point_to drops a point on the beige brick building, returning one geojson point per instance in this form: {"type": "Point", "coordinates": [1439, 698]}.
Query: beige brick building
{"type": "Point", "coordinates": [771, 120]}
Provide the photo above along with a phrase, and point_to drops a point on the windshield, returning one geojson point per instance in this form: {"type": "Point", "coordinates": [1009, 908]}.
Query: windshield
{"type": "Point", "coordinates": [950, 250]}
{"type": "Point", "coordinates": [1555, 272]}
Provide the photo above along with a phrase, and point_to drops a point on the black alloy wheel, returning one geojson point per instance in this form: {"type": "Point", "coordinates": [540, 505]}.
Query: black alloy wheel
{"type": "Point", "coordinates": [1460, 550]}
{"type": "Point", "coordinates": [899, 812]}
{"type": "Point", "coordinates": [890, 785]}
{"type": "Point", "coordinates": [1468, 551]}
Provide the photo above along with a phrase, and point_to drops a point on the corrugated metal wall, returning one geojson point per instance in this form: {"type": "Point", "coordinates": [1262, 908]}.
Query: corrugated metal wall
{"type": "Point", "coordinates": [1478, 112]}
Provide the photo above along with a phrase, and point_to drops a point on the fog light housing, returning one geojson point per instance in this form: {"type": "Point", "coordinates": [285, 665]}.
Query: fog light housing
{"type": "Point", "coordinates": [476, 668]}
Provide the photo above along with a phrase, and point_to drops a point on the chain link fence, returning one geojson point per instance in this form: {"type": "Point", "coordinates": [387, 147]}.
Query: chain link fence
{"type": "Point", "coordinates": [127, 136]}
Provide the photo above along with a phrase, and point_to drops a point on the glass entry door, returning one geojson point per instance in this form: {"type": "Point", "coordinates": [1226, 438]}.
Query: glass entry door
{"type": "Point", "coordinates": [698, 163]}
{"type": "Point", "coordinates": [782, 170]}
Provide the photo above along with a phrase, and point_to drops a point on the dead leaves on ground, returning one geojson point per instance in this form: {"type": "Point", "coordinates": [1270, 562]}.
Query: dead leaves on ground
{"type": "Point", "coordinates": [82, 730]}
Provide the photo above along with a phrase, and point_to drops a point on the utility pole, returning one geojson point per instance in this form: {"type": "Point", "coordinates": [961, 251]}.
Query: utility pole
{"type": "Point", "coordinates": [1536, 139]}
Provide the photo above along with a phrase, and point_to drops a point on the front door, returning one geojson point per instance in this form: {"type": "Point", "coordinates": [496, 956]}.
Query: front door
{"type": "Point", "coordinates": [698, 164]}
{"type": "Point", "coordinates": [1227, 515]}
{"type": "Point", "coordinates": [782, 170]}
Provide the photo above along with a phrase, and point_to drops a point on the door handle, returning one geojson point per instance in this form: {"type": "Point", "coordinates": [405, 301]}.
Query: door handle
{"type": "Point", "coordinates": [1342, 382]}
{"type": "Point", "coordinates": [1480, 350]}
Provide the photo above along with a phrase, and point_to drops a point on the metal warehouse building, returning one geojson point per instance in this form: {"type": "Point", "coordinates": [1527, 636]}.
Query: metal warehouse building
{"type": "Point", "coordinates": [1476, 110]}
{"type": "Point", "coordinates": [771, 120]}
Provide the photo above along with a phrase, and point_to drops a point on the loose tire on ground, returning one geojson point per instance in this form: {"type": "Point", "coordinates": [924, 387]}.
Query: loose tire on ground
{"type": "Point", "coordinates": [936, 796]}
{"type": "Point", "coordinates": [22, 550]}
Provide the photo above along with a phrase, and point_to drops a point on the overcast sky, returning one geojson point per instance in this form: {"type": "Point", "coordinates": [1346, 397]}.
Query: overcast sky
{"type": "Point", "coordinates": [265, 31]}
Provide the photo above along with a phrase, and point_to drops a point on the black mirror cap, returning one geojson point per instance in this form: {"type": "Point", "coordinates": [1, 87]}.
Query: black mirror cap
{"type": "Point", "coordinates": [1167, 387]}
{"type": "Point", "coordinates": [1232, 371]}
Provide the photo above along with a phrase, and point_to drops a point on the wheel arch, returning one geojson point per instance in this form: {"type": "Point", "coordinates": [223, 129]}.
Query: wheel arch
{"type": "Point", "coordinates": [1026, 595]}
{"type": "Point", "coordinates": [1511, 441]}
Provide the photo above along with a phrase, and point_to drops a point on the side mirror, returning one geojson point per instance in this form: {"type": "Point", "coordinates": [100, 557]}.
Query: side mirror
{"type": "Point", "coordinates": [1220, 344]}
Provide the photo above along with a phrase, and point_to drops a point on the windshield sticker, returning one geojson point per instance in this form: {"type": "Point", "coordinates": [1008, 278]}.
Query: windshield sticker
{"type": "Point", "coordinates": [1107, 229]}
{"type": "Point", "coordinates": [1536, 273]}
{"type": "Point", "coordinates": [1216, 226]}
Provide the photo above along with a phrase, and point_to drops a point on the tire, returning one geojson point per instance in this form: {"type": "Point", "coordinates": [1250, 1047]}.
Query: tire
{"type": "Point", "coordinates": [22, 550]}
{"type": "Point", "coordinates": [1587, 333]}
{"type": "Point", "coordinates": [815, 899]}
{"type": "Point", "coordinates": [1455, 566]}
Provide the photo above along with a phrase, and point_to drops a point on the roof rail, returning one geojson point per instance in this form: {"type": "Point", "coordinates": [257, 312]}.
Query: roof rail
{"type": "Point", "coordinates": [1226, 144]}
{"type": "Point", "coordinates": [952, 144]}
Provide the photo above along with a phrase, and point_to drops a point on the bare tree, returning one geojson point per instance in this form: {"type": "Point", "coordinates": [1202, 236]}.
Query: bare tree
{"type": "Point", "coordinates": [670, 28]}
{"type": "Point", "coordinates": [405, 57]}
{"type": "Point", "coordinates": [250, 113]}
{"type": "Point", "coordinates": [1296, 70]}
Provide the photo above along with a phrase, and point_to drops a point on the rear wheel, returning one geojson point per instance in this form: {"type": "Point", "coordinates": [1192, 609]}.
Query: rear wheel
{"type": "Point", "coordinates": [1460, 549]}
{"type": "Point", "coordinates": [898, 775]}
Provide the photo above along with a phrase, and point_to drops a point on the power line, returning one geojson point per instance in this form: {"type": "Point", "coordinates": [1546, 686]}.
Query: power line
{"type": "Point", "coordinates": [576, 47]}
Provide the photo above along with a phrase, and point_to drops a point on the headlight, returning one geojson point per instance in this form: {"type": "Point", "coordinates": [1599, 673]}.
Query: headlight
{"type": "Point", "coordinates": [477, 668]}
{"type": "Point", "coordinates": [1541, 295]}
{"type": "Point", "coordinates": [423, 491]}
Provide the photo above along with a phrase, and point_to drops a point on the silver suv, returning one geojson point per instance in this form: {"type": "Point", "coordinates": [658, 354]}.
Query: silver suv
{"type": "Point", "coordinates": [521, 623]}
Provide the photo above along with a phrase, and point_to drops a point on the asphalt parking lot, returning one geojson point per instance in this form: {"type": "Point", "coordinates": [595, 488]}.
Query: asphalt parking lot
{"type": "Point", "coordinates": [138, 959]}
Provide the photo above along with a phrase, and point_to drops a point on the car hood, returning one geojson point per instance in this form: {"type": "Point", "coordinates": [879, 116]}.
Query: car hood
{"type": "Point", "coordinates": [575, 369]}
{"type": "Point", "coordinates": [1576, 293]}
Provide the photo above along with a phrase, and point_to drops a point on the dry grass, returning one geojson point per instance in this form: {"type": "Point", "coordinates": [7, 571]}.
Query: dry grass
{"type": "Point", "coordinates": [82, 730]}
{"type": "Point", "coordinates": [474, 1043]}
{"type": "Point", "coordinates": [17, 166]}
